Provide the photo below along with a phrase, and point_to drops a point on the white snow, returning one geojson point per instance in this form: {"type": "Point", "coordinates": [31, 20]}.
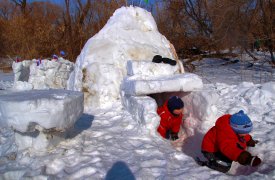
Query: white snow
{"type": "Point", "coordinates": [143, 110]}
{"type": "Point", "coordinates": [48, 74]}
{"type": "Point", "coordinates": [147, 68]}
{"type": "Point", "coordinates": [7, 145]}
{"type": "Point", "coordinates": [120, 140]}
{"type": "Point", "coordinates": [21, 70]}
{"type": "Point", "coordinates": [181, 82]}
{"type": "Point", "coordinates": [6, 80]}
{"type": "Point", "coordinates": [130, 34]}
{"type": "Point", "coordinates": [49, 108]}
{"type": "Point", "coordinates": [22, 85]}
{"type": "Point", "coordinates": [144, 78]}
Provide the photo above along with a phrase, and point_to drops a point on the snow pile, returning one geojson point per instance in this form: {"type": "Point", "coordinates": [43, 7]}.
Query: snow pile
{"type": "Point", "coordinates": [47, 108]}
{"type": "Point", "coordinates": [200, 107]}
{"type": "Point", "coordinates": [42, 75]}
{"type": "Point", "coordinates": [130, 34]}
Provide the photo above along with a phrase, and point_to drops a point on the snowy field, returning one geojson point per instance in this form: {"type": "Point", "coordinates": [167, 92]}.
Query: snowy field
{"type": "Point", "coordinates": [236, 70]}
{"type": "Point", "coordinates": [109, 144]}
{"type": "Point", "coordinates": [107, 141]}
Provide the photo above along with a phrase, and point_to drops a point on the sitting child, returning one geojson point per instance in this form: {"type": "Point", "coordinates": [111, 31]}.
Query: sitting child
{"type": "Point", "coordinates": [227, 141]}
{"type": "Point", "coordinates": [171, 114]}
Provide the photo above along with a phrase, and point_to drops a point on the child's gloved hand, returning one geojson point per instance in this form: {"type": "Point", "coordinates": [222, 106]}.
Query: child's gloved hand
{"type": "Point", "coordinates": [255, 161]}
{"type": "Point", "coordinates": [252, 142]}
{"type": "Point", "coordinates": [174, 136]}
{"type": "Point", "coordinates": [245, 158]}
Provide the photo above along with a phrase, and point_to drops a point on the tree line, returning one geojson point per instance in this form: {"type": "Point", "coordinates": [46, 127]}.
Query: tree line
{"type": "Point", "coordinates": [39, 29]}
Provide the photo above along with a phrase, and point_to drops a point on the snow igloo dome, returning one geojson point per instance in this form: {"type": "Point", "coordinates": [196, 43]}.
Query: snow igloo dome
{"type": "Point", "coordinates": [130, 34]}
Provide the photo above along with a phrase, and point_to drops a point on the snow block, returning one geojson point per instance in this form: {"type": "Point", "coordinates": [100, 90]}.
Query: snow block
{"type": "Point", "coordinates": [180, 82]}
{"type": "Point", "coordinates": [144, 110]}
{"type": "Point", "coordinates": [24, 110]}
{"type": "Point", "coordinates": [148, 68]}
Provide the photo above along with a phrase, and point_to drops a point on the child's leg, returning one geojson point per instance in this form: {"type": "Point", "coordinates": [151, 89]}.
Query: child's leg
{"type": "Point", "coordinates": [168, 134]}
{"type": "Point", "coordinates": [218, 162]}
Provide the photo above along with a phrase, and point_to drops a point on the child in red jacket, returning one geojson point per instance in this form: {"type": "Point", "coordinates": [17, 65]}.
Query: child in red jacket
{"type": "Point", "coordinates": [171, 114]}
{"type": "Point", "coordinates": [227, 141]}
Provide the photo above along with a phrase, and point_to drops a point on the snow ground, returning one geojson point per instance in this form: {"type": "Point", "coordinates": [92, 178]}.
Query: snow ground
{"type": "Point", "coordinates": [109, 144]}
{"type": "Point", "coordinates": [6, 80]}
{"type": "Point", "coordinates": [234, 73]}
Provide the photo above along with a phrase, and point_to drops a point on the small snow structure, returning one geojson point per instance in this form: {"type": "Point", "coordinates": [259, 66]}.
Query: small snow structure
{"type": "Point", "coordinates": [149, 84]}
{"type": "Point", "coordinates": [130, 34]}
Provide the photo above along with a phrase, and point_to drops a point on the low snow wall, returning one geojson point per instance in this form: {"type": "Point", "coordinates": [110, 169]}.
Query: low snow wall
{"type": "Point", "coordinates": [42, 74]}
{"type": "Point", "coordinates": [144, 110]}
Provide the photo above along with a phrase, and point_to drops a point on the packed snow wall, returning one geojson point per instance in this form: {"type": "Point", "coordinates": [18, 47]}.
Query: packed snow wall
{"type": "Point", "coordinates": [130, 34]}
{"type": "Point", "coordinates": [42, 74]}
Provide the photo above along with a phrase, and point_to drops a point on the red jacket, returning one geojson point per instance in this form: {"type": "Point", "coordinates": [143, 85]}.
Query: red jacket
{"type": "Point", "coordinates": [168, 121]}
{"type": "Point", "coordinates": [222, 138]}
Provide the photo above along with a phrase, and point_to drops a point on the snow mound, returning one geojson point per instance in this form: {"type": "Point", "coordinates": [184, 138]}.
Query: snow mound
{"type": "Point", "coordinates": [130, 34]}
{"type": "Point", "coordinates": [23, 110]}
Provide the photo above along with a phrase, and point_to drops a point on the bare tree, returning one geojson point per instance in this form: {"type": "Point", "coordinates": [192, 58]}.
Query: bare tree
{"type": "Point", "coordinates": [22, 4]}
{"type": "Point", "coordinates": [267, 11]}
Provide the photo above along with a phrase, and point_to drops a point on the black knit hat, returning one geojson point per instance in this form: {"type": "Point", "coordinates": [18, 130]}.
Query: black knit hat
{"type": "Point", "coordinates": [157, 59]}
{"type": "Point", "coordinates": [174, 103]}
